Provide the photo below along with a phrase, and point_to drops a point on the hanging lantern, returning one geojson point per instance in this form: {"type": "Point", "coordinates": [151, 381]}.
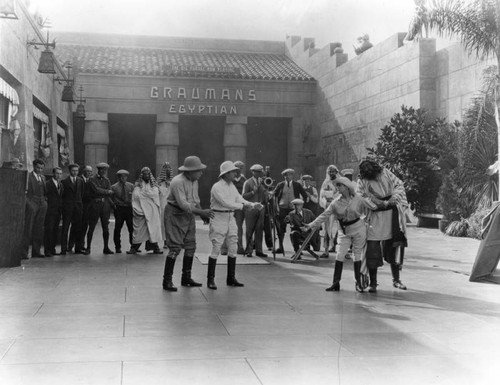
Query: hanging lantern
{"type": "Point", "coordinates": [67, 94]}
{"type": "Point", "coordinates": [46, 64]}
{"type": "Point", "coordinates": [80, 111]}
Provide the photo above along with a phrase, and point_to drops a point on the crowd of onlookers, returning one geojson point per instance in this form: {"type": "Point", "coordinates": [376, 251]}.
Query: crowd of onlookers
{"type": "Point", "coordinates": [365, 219]}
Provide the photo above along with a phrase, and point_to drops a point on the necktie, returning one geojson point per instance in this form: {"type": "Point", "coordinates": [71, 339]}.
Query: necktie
{"type": "Point", "coordinates": [123, 195]}
{"type": "Point", "coordinates": [288, 184]}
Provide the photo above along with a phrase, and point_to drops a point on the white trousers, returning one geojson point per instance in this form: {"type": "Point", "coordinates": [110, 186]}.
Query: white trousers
{"type": "Point", "coordinates": [355, 234]}
{"type": "Point", "coordinates": [223, 228]}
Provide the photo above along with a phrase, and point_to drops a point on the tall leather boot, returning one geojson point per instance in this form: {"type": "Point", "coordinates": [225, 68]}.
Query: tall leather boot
{"type": "Point", "coordinates": [167, 274]}
{"type": "Point", "coordinates": [396, 282]}
{"type": "Point", "coordinates": [105, 237]}
{"type": "Point", "coordinates": [186, 280]}
{"type": "Point", "coordinates": [373, 280]}
{"type": "Point", "coordinates": [212, 263]}
{"type": "Point", "coordinates": [231, 268]}
{"type": "Point", "coordinates": [337, 275]}
{"type": "Point", "coordinates": [357, 276]}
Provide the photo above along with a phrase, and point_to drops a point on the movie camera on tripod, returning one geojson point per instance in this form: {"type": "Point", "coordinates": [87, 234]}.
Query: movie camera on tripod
{"type": "Point", "coordinates": [268, 182]}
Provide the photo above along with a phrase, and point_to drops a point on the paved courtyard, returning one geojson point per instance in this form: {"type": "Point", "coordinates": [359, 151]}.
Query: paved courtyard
{"type": "Point", "coordinates": [106, 320]}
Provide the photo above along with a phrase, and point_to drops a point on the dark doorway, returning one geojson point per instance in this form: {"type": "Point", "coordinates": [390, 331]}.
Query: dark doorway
{"type": "Point", "coordinates": [203, 136]}
{"type": "Point", "coordinates": [267, 144]}
{"type": "Point", "coordinates": [131, 144]}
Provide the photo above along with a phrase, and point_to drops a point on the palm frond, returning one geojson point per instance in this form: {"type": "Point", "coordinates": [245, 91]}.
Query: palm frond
{"type": "Point", "coordinates": [469, 21]}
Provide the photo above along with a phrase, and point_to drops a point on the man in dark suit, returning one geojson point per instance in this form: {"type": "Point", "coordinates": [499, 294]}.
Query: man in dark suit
{"type": "Point", "coordinates": [100, 205]}
{"type": "Point", "coordinates": [285, 192]}
{"type": "Point", "coordinates": [72, 208]}
{"type": "Point", "coordinates": [36, 207]}
{"type": "Point", "coordinates": [122, 204]}
{"type": "Point", "coordinates": [87, 196]}
{"type": "Point", "coordinates": [254, 191]}
{"type": "Point", "coordinates": [54, 210]}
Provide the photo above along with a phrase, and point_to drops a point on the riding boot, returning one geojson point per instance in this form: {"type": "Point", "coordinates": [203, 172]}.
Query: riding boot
{"type": "Point", "coordinates": [357, 276]}
{"type": "Point", "coordinates": [231, 268]}
{"type": "Point", "coordinates": [167, 274]}
{"type": "Point", "coordinates": [373, 280]}
{"type": "Point", "coordinates": [186, 280]}
{"type": "Point", "coordinates": [212, 263]}
{"type": "Point", "coordinates": [396, 282]}
{"type": "Point", "coordinates": [337, 275]}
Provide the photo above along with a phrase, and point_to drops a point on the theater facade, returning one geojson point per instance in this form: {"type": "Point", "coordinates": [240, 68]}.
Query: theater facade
{"type": "Point", "coordinates": [150, 100]}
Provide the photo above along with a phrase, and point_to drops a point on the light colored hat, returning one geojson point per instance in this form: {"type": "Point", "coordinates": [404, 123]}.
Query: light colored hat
{"type": "Point", "coordinates": [102, 165]}
{"type": "Point", "coordinates": [192, 163]}
{"type": "Point", "coordinates": [347, 171]}
{"type": "Point", "coordinates": [256, 167]}
{"type": "Point", "coordinates": [87, 168]}
{"type": "Point", "coordinates": [288, 170]}
{"type": "Point", "coordinates": [239, 164]}
{"type": "Point", "coordinates": [297, 201]}
{"type": "Point", "coordinates": [346, 182]}
{"type": "Point", "coordinates": [226, 167]}
{"type": "Point", "coordinates": [307, 177]}
{"type": "Point", "coordinates": [122, 172]}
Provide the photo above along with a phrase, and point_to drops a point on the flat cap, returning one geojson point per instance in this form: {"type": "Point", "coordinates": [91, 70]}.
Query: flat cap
{"type": "Point", "coordinates": [239, 164]}
{"type": "Point", "coordinates": [288, 170]}
{"type": "Point", "coordinates": [102, 165]}
{"type": "Point", "coordinates": [297, 201]}
{"type": "Point", "coordinates": [307, 177]}
{"type": "Point", "coordinates": [256, 167]}
{"type": "Point", "coordinates": [122, 172]}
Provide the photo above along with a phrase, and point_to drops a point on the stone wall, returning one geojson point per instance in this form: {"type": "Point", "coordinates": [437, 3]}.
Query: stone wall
{"type": "Point", "coordinates": [355, 98]}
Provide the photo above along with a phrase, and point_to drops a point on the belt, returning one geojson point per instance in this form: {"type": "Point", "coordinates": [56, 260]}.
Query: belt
{"type": "Point", "coordinates": [344, 224]}
{"type": "Point", "coordinates": [223, 211]}
{"type": "Point", "coordinates": [171, 204]}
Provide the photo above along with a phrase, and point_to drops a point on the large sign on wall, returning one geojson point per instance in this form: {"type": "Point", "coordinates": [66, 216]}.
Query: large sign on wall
{"type": "Point", "coordinates": [206, 101]}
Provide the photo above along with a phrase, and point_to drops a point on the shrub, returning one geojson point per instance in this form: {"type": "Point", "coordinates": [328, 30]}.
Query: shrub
{"type": "Point", "coordinates": [475, 223]}
{"type": "Point", "coordinates": [410, 146]}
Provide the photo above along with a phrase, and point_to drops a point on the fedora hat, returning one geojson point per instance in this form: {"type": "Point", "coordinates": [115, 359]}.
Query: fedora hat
{"type": "Point", "coordinates": [226, 167]}
{"type": "Point", "coordinates": [192, 163]}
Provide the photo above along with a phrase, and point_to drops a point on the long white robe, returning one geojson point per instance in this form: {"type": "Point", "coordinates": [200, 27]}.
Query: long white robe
{"type": "Point", "coordinates": [146, 205]}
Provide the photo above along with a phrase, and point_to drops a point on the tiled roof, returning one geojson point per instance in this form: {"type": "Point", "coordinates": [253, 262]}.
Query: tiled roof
{"type": "Point", "coordinates": [180, 63]}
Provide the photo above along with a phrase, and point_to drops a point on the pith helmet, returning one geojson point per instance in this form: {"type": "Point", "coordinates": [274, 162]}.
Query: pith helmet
{"type": "Point", "coordinates": [226, 167]}
{"type": "Point", "coordinates": [192, 163]}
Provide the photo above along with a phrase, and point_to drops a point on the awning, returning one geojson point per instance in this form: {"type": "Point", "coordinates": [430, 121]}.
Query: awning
{"type": "Point", "coordinates": [7, 91]}
{"type": "Point", "coordinates": [40, 115]}
{"type": "Point", "coordinates": [61, 131]}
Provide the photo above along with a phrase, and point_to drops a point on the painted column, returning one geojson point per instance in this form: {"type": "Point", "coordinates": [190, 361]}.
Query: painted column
{"type": "Point", "coordinates": [167, 141]}
{"type": "Point", "coordinates": [96, 138]}
{"type": "Point", "coordinates": [235, 138]}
